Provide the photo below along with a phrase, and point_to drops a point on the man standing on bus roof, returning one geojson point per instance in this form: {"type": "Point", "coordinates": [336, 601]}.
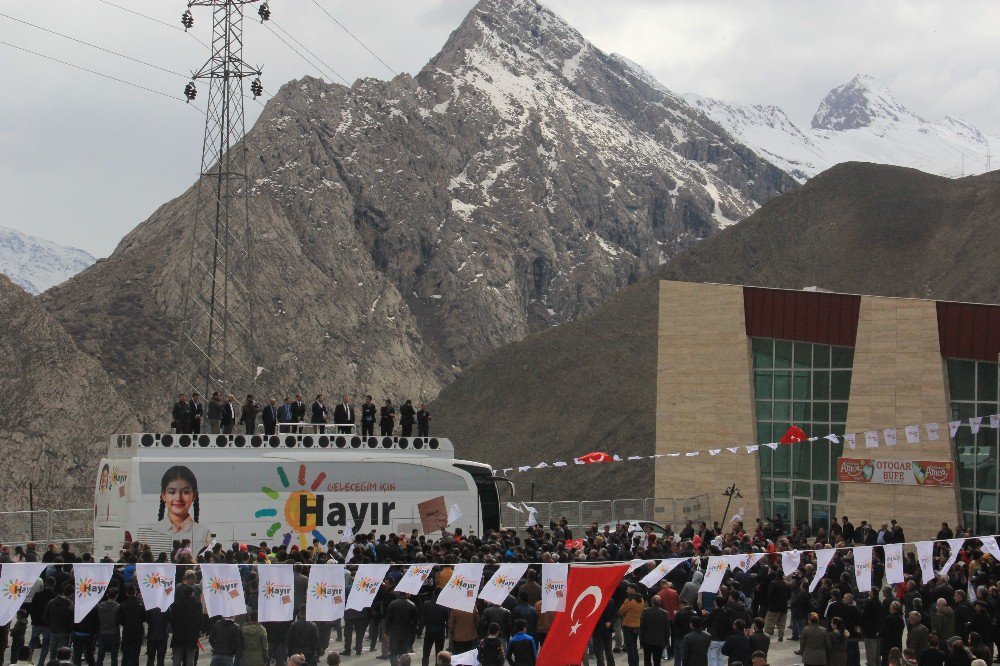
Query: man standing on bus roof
{"type": "Point", "coordinates": [368, 417]}
{"type": "Point", "coordinates": [319, 411]}
{"type": "Point", "coordinates": [343, 415]}
{"type": "Point", "coordinates": [181, 415]}
{"type": "Point", "coordinates": [248, 414]}
{"type": "Point", "coordinates": [298, 409]}
{"type": "Point", "coordinates": [215, 407]}
{"type": "Point", "coordinates": [197, 412]}
{"type": "Point", "coordinates": [228, 414]}
{"type": "Point", "coordinates": [407, 416]}
{"type": "Point", "coordinates": [286, 414]}
{"type": "Point", "coordinates": [423, 421]}
{"type": "Point", "coordinates": [387, 420]}
{"type": "Point", "coordinates": [269, 416]}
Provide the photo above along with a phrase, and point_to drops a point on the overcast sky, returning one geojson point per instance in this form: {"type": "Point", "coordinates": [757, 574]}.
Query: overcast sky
{"type": "Point", "coordinates": [84, 159]}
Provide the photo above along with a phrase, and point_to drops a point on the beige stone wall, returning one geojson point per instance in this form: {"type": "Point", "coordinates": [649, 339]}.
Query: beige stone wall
{"type": "Point", "coordinates": [898, 380]}
{"type": "Point", "coordinates": [704, 397]}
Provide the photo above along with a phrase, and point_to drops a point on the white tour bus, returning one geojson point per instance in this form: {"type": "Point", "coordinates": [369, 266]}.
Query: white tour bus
{"type": "Point", "coordinates": [286, 488]}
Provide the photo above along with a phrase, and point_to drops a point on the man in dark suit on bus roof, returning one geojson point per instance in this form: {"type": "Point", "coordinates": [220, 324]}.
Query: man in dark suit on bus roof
{"type": "Point", "coordinates": [343, 415]}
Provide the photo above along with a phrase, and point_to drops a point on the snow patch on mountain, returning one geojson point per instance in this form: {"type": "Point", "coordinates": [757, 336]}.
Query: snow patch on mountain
{"type": "Point", "coordinates": [35, 264]}
{"type": "Point", "coordinates": [858, 121]}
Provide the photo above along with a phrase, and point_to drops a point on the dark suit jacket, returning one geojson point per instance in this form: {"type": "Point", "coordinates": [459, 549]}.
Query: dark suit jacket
{"type": "Point", "coordinates": [344, 413]}
{"type": "Point", "coordinates": [694, 648]}
{"type": "Point", "coordinates": [407, 415]}
{"type": "Point", "coordinates": [269, 414]}
{"type": "Point", "coordinates": [229, 413]}
{"type": "Point", "coordinates": [318, 413]}
{"type": "Point", "coordinates": [298, 411]}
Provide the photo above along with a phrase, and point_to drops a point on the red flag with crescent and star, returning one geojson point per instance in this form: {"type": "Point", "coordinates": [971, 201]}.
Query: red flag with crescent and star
{"type": "Point", "coordinates": [588, 590]}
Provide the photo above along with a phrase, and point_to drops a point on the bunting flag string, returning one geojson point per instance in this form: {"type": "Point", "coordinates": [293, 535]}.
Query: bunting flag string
{"type": "Point", "coordinates": [872, 439]}
{"type": "Point", "coordinates": [325, 601]}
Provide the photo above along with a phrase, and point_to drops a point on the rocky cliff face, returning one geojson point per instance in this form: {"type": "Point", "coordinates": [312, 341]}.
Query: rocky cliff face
{"type": "Point", "coordinates": [404, 228]}
{"type": "Point", "coordinates": [57, 404]}
{"type": "Point", "coordinates": [35, 264]}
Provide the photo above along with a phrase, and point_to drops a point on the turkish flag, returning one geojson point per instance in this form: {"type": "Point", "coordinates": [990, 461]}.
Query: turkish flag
{"type": "Point", "coordinates": [794, 435]}
{"type": "Point", "coordinates": [594, 457]}
{"type": "Point", "coordinates": [588, 590]}
{"type": "Point", "coordinates": [574, 543]}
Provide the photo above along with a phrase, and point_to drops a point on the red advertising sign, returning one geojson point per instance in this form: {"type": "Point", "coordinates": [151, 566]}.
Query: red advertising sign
{"type": "Point", "coordinates": [896, 472]}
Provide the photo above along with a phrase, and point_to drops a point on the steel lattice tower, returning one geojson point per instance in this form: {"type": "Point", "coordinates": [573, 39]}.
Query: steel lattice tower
{"type": "Point", "coordinates": [217, 338]}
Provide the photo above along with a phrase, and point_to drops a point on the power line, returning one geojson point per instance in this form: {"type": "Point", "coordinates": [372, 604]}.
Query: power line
{"type": "Point", "coordinates": [94, 46]}
{"type": "Point", "coordinates": [95, 72]}
{"type": "Point", "coordinates": [354, 37]}
{"type": "Point", "coordinates": [154, 20]}
{"type": "Point", "coordinates": [306, 48]}
{"type": "Point", "coordinates": [296, 51]}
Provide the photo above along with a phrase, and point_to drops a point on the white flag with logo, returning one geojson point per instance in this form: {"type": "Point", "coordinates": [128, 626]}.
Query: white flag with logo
{"type": "Point", "coordinates": [17, 577]}
{"type": "Point", "coordinates": [893, 563]}
{"type": "Point", "coordinates": [823, 558]}
{"type": "Point", "coordinates": [635, 564]}
{"type": "Point", "coordinates": [554, 587]}
{"type": "Point", "coordinates": [325, 594]}
{"type": "Point", "coordinates": [91, 583]}
{"type": "Point", "coordinates": [995, 420]}
{"type": "Point", "coordinates": [933, 432]}
{"type": "Point", "coordinates": [852, 440]}
{"type": "Point", "coordinates": [912, 434]}
{"type": "Point", "coordinates": [990, 546]}
{"type": "Point", "coordinates": [462, 588]}
{"type": "Point", "coordinates": [454, 514]}
{"type": "Point", "coordinates": [470, 658]}
{"type": "Point", "coordinates": [871, 439]}
{"type": "Point", "coordinates": [502, 583]}
{"type": "Point", "coordinates": [953, 427]}
{"type": "Point", "coordinates": [956, 546]}
{"type": "Point", "coordinates": [790, 560]}
{"type": "Point", "coordinates": [222, 590]}
{"type": "Point", "coordinates": [714, 573]}
{"type": "Point", "coordinates": [974, 423]}
{"type": "Point", "coordinates": [925, 556]}
{"type": "Point", "coordinates": [661, 570]}
{"type": "Point", "coordinates": [743, 562]}
{"type": "Point", "coordinates": [414, 578]}
{"type": "Point", "coordinates": [863, 567]}
{"type": "Point", "coordinates": [156, 584]}
{"type": "Point", "coordinates": [275, 593]}
{"type": "Point", "coordinates": [366, 583]}
{"type": "Point", "coordinates": [890, 436]}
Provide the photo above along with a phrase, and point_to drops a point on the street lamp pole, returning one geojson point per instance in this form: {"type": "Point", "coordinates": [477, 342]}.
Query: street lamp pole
{"type": "Point", "coordinates": [730, 492]}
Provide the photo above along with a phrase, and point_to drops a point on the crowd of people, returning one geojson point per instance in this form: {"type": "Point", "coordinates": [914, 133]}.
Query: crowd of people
{"type": "Point", "coordinates": [947, 620]}
{"type": "Point", "coordinates": [222, 414]}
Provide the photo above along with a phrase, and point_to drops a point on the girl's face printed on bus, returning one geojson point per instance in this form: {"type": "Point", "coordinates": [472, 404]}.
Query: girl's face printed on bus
{"type": "Point", "coordinates": [104, 479]}
{"type": "Point", "coordinates": [178, 497]}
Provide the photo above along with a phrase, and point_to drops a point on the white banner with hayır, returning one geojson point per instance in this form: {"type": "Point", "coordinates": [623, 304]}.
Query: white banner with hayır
{"type": "Point", "coordinates": [18, 577]}
{"type": "Point", "coordinates": [823, 558]}
{"type": "Point", "coordinates": [414, 579]}
{"type": "Point", "coordinates": [955, 545]}
{"type": "Point", "coordinates": [925, 556]}
{"type": "Point", "coordinates": [460, 590]}
{"type": "Point", "coordinates": [91, 583]}
{"type": "Point", "coordinates": [367, 580]}
{"type": "Point", "coordinates": [156, 584]}
{"type": "Point", "coordinates": [554, 587]}
{"type": "Point", "coordinates": [893, 563]}
{"type": "Point", "coordinates": [499, 587]}
{"type": "Point", "coordinates": [863, 567]}
{"type": "Point", "coordinates": [325, 594]}
{"type": "Point", "coordinates": [714, 573]}
{"type": "Point", "coordinates": [790, 560]}
{"type": "Point", "coordinates": [661, 570]}
{"type": "Point", "coordinates": [223, 590]}
{"type": "Point", "coordinates": [275, 593]}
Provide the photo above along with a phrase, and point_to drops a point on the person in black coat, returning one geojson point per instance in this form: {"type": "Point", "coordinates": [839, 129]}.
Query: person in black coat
{"type": "Point", "coordinates": [407, 417]}
{"type": "Point", "coordinates": [181, 415]}
{"type": "Point", "coordinates": [423, 421]}
{"type": "Point", "coordinates": [229, 412]}
{"type": "Point", "coordinates": [694, 647]}
{"type": "Point", "coordinates": [343, 415]}
{"type": "Point", "coordinates": [269, 416]}
{"type": "Point", "coordinates": [602, 636]}
{"type": "Point", "coordinates": [434, 618]}
{"type": "Point", "coordinates": [401, 626]}
{"type": "Point", "coordinates": [298, 409]}
{"type": "Point", "coordinates": [891, 634]}
{"type": "Point", "coordinates": [319, 411]}
{"type": "Point", "coordinates": [184, 617]}
{"type": "Point", "coordinates": [387, 418]}
{"type": "Point", "coordinates": [303, 638]}
{"type": "Point", "coordinates": [368, 413]}
{"type": "Point", "coordinates": [197, 412]}
{"type": "Point", "coordinates": [654, 627]}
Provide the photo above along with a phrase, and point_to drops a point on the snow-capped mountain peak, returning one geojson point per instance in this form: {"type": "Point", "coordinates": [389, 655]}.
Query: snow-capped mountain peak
{"type": "Point", "coordinates": [858, 121]}
{"type": "Point", "coordinates": [35, 264]}
{"type": "Point", "coordinates": [861, 102]}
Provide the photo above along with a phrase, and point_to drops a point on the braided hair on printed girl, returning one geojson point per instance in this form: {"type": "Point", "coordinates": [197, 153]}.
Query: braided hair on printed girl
{"type": "Point", "coordinates": [178, 473]}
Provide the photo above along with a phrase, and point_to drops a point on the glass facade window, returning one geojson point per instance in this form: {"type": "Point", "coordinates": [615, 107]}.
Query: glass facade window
{"type": "Point", "coordinates": [807, 385]}
{"type": "Point", "coordinates": [975, 391]}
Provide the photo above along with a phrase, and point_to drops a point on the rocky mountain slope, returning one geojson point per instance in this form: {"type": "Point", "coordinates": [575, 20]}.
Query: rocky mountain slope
{"type": "Point", "coordinates": [56, 404]}
{"type": "Point", "coordinates": [858, 121]}
{"type": "Point", "coordinates": [590, 384]}
{"type": "Point", "coordinates": [35, 264]}
{"type": "Point", "coordinates": [404, 228]}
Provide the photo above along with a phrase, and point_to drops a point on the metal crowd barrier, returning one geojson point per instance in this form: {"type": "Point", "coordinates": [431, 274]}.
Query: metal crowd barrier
{"type": "Point", "coordinates": [74, 526]}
